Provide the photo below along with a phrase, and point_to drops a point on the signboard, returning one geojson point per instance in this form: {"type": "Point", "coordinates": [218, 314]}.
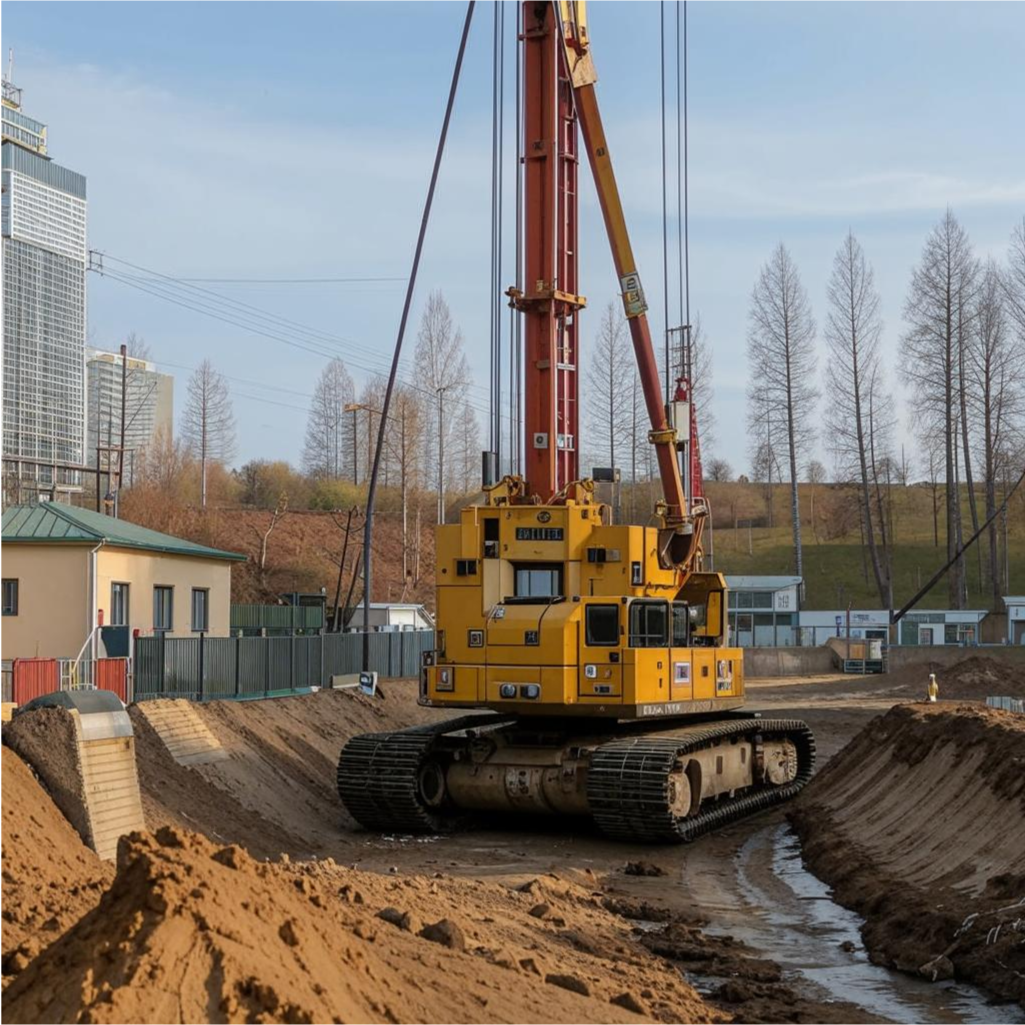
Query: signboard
{"type": "Point", "coordinates": [539, 533]}
{"type": "Point", "coordinates": [785, 600]}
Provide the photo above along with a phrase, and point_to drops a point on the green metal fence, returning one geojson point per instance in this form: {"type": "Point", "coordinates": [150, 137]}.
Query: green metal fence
{"type": "Point", "coordinates": [202, 668]}
{"type": "Point", "coordinates": [277, 618]}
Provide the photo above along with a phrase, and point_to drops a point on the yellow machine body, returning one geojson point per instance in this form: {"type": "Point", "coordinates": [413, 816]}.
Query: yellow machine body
{"type": "Point", "coordinates": [551, 610]}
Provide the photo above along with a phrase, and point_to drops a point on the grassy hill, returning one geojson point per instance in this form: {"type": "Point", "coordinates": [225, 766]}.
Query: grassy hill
{"type": "Point", "coordinates": [747, 538]}
{"type": "Point", "coordinates": [836, 564]}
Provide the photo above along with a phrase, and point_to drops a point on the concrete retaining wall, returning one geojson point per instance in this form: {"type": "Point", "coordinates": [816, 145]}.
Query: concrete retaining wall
{"type": "Point", "coordinates": [788, 661]}
{"type": "Point", "coordinates": [819, 660]}
{"type": "Point", "coordinates": [947, 655]}
{"type": "Point", "coordinates": [91, 776]}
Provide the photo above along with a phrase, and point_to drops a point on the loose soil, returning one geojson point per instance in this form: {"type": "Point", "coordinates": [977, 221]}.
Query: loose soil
{"type": "Point", "coordinates": [242, 903]}
{"type": "Point", "coordinates": [50, 878]}
{"type": "Point", "coordinates": [190, 931]}
{"type": "Point", "coordinates": [919, 825]}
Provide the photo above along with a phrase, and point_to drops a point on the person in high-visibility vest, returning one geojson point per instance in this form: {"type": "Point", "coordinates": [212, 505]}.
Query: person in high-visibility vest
{"type": "Point", "coordinates": [934, 687]}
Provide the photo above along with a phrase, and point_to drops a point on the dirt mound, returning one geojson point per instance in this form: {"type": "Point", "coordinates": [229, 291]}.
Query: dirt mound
{"type": "Point", "coordinates": [50, 877]}
{"type": "Point", "coordinates": [276, 791]}
{"type": "Point", "coordinates": [919, 825]}
{"type": "Point", "coordinates": [190, 931]}
{"type": "Point", "coordinates": [974, 679]}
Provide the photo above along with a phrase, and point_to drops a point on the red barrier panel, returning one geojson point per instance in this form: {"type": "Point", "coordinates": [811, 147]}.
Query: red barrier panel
{"type": "Point", "coordinates": [112, 674]}
{"type": "Point", "coordinates": [32, 678]}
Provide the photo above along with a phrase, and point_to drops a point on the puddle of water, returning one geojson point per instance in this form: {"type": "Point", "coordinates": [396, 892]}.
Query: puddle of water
{"type": "Point", "coordinates": [791, 917]}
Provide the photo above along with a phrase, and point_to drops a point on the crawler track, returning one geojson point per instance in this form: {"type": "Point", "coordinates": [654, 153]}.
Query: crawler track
{"type": "Point", "coordinates": [379, 775]}
{"type": "Point", "coordinates": [628, 788]}
{"type": "Point", "coordinates": [628, 782]}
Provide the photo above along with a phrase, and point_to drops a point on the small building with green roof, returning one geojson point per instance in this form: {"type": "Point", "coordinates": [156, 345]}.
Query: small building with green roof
{"type": "Point", "coordinates": [68, 570]}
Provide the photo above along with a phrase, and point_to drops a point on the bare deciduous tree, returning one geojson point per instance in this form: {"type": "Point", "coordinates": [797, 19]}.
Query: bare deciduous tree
{"type": "Point", "coordinates": [930, 361]}
{"type": "Point", "coordinates": [328, 445]}
{"type": "Point", "coordinates": [853, 328]}
{"type": "Point", "coordinates": [720, 471]}
{"type": "Point", "coordinates": [444, 376]}
{"type": "Point", "coordinates": [208, 424]}
{"type": "Point", "coordinates": [263, 537]}
{"type": "Point", "coordinates": [1014, 279]}
{"type": "Point", "coordinates": [781, 354]}
{"type": "Point", "coordinates": [466, 451]}
{"type": "Point", "coordinates": [404, 453]}
{"type": "Point", "coordinates": [611, 366]}
{"type": "Point", "coordinates": [997, 398]}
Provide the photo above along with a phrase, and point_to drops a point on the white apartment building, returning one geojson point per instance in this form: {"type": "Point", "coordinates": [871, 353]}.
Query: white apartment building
{"type": "Point", "coordinates": [149, 406]}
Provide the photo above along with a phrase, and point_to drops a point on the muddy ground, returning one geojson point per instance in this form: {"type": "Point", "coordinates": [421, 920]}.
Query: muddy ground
{"type": "Point", "coordinates": [730, 916]}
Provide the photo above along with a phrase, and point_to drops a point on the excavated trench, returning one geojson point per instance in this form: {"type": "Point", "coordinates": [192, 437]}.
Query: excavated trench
{"type": "Point", "coordinates": [783, 910]}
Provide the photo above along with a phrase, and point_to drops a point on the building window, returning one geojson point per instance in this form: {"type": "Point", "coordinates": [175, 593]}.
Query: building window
{"type": "Point", "coordinates": [119, 604]}
{"type": "Point", "coordinates": [602, 625]}
{"type": "Point", "coordinates": [200, 610]}
{"type": "Point", "coordinates": [10, 596]}
{"type": "Point", "coordinates": [539, 581]}
{"type": "Point", "coordinates": [649, 624]}
{"type": "Point", "coordinates": [163, 608]}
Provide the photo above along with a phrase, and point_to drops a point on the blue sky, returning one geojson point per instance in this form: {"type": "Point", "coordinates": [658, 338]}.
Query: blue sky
{"type": "Point", "coordinates": [292, 141]}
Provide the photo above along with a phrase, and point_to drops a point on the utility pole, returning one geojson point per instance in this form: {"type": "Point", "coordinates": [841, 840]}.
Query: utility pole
{"type": "Point", "coordinates": [97, 443]}
{"type": "Point", "coordinates": [441, 454]}
{"type": "Point", "coordinates": [121, 449]}
{"type": "Point", "coordinates": [355, 447]}
{"type": "Point", "coordinates": [108, 498]}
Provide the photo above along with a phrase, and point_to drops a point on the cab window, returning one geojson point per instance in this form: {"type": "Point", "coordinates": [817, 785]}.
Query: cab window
{"type": "Point", "coordinates": [602, 625]}
{"type": "Point", "coordinates": [539, 580]}
{"type": "Point", "coordinates": [649, 624]}
{"type": "Point", "coordinates": [681, 615]}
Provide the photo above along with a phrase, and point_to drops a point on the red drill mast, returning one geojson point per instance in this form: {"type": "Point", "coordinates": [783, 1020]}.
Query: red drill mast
{"type": "Point", "coordinates": [549, 300]}
{"type": "Point", "coordinates": [558, 89]}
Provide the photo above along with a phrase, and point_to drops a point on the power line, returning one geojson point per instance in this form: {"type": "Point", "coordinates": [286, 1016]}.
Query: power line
{"type": "Point", "coordinates": [212, 300]}
{"type": "Point", "coordinates": [199, 304]}
{"type": "Point", "coordinates": [288, 281]}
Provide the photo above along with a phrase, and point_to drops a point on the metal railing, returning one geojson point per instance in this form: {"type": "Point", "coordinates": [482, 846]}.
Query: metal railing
{"type": "Point", "coordinates": [1007, 704]}
{"type": "Point", "coordinates": [202, 668]}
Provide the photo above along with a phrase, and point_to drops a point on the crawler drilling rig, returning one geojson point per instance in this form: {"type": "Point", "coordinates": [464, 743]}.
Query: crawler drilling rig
{"type": "Point", "coordinates": [594, 655]}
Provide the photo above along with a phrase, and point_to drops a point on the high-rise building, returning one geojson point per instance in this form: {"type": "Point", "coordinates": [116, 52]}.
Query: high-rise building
{"type": "Point", "coordinates": [148, 401]}
{"type": "Point", "coordinates": [44, 267]}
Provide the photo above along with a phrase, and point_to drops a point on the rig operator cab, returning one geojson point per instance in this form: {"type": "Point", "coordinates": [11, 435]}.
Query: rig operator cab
{"type": "Point", "coordinates": [552, 610]}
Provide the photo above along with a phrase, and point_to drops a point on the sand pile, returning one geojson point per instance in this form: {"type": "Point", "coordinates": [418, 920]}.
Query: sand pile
{"type": "Point", "coordinates": [276, 790]}
{"type": "Point", "coordinates": [974, 679]}
{"type": "Point", "coordinates": [50, 877]}
{"type": "Point", "coordinates": [193, 931]}
{"type": "Point", "coordinates": [919, 825]}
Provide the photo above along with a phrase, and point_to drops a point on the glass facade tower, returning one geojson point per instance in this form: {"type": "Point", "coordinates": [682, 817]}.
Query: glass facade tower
{"type": "Point", "coordinates": [44, 320]}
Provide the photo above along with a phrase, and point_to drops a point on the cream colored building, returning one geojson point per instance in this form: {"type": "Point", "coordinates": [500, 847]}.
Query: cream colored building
{"type": "Point", "coordinates": [67, 570]}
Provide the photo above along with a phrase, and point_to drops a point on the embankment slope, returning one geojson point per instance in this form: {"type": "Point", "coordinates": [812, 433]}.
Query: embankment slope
{"type": "Point", "coordinates": [50, 877]}
{"type": "Point", "coordinates": [919, 825]}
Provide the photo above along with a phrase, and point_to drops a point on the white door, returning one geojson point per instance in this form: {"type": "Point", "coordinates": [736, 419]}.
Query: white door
{"type": "Point", "coordinates": [925, 634]}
